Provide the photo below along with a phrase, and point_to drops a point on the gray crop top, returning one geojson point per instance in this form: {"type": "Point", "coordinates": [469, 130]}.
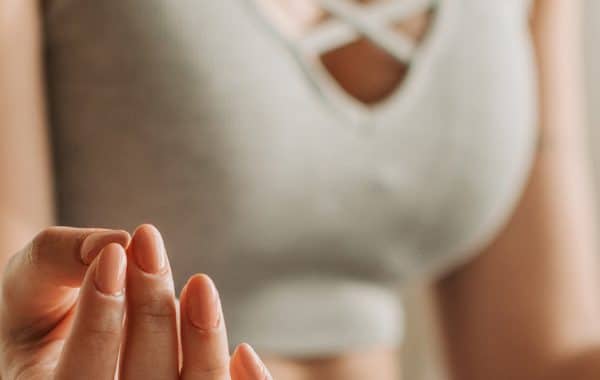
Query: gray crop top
{"type": "Point", "coordinates": [308, 209]}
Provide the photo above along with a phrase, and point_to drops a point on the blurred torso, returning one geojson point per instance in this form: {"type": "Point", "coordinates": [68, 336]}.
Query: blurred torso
{"type": "Point", "coordinates": [191, 115]}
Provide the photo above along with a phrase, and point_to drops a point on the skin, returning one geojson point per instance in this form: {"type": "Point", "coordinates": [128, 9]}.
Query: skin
{"type": "Point", "coordinates": [26, 198]}
{"type": "Point", "coordinates": [43, 282]}
{"type": "Point", "coordinates": [362, 69]}
{"type": "Point", "coordinates": [526, 308]}
{"type": "Point", "coordinates": [66, 320]}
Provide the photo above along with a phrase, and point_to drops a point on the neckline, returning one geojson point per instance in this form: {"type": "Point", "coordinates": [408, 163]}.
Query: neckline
{"type": "Point", "coordinates": [343, 104]}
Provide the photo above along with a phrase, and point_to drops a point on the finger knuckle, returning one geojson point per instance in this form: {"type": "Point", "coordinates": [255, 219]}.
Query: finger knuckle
{"type": "Point", "coordinates": [40, 243]}
{"type": "Point", "coordinates": [9, 268]}
{"type": "Point", "coordinates": [24, 373]}
{"type": "Point", "coordinates": [18, 362]}
{"type": "Point", "coordinates": [46, 236]}
{"type": "Point", "coordinates": [103, 330]}
{"type": "Point", "coordinates": [209, 334]}
{"type": "Point", "coordinates": [30, 255]}
{"type": "Point", "coordinates": [154, 310]}
{"type": "Point", "coordinates": [214, 371]}
{"type": "Point", "coordinates": [11, 278]}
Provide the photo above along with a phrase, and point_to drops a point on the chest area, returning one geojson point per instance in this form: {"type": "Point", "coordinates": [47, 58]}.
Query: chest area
{"type": "Point", "coordinates": [350, 39]}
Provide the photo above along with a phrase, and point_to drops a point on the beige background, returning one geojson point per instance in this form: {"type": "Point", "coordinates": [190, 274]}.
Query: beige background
{"type": "Point", "coordinates": [421, 359]}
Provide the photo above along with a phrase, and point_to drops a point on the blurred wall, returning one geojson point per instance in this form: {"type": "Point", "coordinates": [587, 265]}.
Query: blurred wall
{"type": "Point", "coordinates": [421, 358]}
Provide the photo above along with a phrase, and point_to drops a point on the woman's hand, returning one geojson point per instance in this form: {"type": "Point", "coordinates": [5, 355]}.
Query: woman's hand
{"type": "Point", "coordinates": [62, 305]}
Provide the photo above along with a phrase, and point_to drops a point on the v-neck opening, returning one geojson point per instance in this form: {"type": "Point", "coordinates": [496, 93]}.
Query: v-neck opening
{"type": "Point", "coordinates": [331, 91]}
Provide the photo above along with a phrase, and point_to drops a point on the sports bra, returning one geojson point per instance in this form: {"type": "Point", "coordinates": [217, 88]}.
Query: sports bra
{"type": "Point", "coordinates": [309, 209]}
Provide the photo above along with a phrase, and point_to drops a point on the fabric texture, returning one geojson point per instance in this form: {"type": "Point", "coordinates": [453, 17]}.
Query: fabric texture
{"type": "Point", "coordinates": [309, 211]}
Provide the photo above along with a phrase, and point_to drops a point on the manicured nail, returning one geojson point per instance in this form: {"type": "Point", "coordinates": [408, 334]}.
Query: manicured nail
{"type": "Point", "coordinates": [203, 305]}
{"type": "Point", "coordinates": [110, 270]}
{"type": "Point", "coordinates": [252, 366]}
{"type": "Point", "coordinates": [93, 244]}
{"type": "Point", "coordinates": [148, 249]}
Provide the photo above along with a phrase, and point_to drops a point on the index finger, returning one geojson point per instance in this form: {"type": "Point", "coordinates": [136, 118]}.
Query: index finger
{"type": "Point", "coordinates": [39, 282]}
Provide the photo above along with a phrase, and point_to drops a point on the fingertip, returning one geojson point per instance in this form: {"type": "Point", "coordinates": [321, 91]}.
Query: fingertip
{"type": "Point", "coordinates": [201, 280]}
{"type": "Point", "coordinates": [124, 238]}
{"type": "Point", "coordinates": [148, 249]}
{"type": "Point", "coordinates": [202, 304]}
{"type": "Point", "coordinates": [110, 270]}
{"type": "Point", "coordinates": [146, 229]}
{"type": "Point", "coordinates": [144, 234]}
{"type": "Point", "coordinates": [247, 362]}
{"type": "Point", "coordinates": [201, 283]}
{"type": "Point", "coordinates": [96, 241]}
{"type": "Point", "coordinates": [246, 353]}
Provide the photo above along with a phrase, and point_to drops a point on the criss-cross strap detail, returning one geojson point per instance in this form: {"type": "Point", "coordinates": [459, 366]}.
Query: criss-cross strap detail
{"type": "Point", "coordinates": [350, 21]}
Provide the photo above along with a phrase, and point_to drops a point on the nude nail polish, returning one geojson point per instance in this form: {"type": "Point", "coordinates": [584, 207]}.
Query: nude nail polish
{"type": "Point", "coordinates": [149, 249]}
{"type": "Point", "coordinates": [203, 305]}
{"type": "Point", "coordinates": [251, 363]}
{"type": "Point", "coordinates": [92, 244]}
{"type": "Point", "coordinates": [110, 270]}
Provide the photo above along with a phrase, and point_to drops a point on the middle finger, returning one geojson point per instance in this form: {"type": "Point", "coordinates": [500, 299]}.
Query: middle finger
{"type": "Point", "coordinates": [151, 343]}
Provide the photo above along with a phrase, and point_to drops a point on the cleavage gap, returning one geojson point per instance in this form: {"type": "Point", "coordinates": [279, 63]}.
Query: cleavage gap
{"type": "Point", "coordinates": [360, 68]}
{"type": "Point", "coordinates": [368, 73]}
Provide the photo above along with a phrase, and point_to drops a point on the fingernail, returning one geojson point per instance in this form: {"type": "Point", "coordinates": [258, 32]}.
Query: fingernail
{"type": "Point", "coordinates": [93, 244]}
{"type": "Point", "coordinates": [203, 306]}
{"type": "Point", "coordinates": [251, 363]}
{"type": "Point", "coordinates": [110, 270]}
{"type": "Point", "coordinates": [148, 249]}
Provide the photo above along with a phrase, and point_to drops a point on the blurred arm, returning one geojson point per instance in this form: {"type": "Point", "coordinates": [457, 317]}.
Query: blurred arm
{"type": "Point", "coordinates": [528, 307]}
{"type": "Point", "coordinates": [26, 203]}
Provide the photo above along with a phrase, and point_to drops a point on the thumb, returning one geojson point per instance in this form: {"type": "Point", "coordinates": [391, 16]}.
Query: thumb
{"type": "Point", "coordinates": [40, 283]}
